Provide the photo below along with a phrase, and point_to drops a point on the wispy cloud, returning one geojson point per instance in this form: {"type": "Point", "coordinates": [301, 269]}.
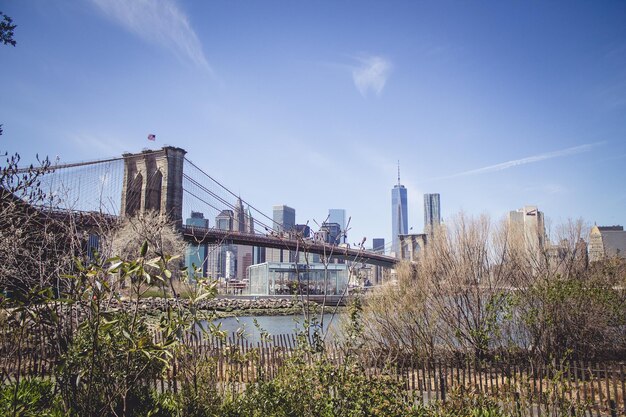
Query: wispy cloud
{"type": "Point", "coordinates": [371, 74]}
{"type": "Point", "coordinates": [107, 145]}
{"type": "Point", "coordinates": [159, 22]}
{"type": "Point", "coordinates": [523, 161]}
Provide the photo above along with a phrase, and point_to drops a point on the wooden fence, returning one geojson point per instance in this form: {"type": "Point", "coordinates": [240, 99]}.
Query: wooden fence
{"type": "Point", "coordinates": [523, 387]}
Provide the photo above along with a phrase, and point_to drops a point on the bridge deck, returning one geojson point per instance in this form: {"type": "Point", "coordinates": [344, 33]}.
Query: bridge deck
{"type": "Point", "coordinates": [217, 236]}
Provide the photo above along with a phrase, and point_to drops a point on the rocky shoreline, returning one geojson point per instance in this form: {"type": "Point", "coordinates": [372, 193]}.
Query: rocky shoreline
{"type": "Point", "coordinates": [222, 306]}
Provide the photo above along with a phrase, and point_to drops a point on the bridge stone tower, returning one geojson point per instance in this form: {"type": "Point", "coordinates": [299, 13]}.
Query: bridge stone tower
{"type": "Point", "coordinates": [153, 180]}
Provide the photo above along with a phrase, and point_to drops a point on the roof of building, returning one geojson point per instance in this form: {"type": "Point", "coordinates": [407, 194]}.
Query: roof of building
{"type": "Point", "coordinates": [616, 228]}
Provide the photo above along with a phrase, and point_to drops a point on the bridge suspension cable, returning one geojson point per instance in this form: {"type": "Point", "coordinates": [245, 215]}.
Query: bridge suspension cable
{"type": "Point", "coordinates": [235, 196]}
{"type": "Point", "coordinates": [96, 185]}
{"type": "Point", "coordinates": [56, 167]}
{"type": "Point", "coordinates": [217, 197]}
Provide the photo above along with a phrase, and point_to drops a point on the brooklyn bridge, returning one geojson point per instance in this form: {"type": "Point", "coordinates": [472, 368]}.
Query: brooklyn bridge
{"type": "Point", "coordinates": [167, 182]}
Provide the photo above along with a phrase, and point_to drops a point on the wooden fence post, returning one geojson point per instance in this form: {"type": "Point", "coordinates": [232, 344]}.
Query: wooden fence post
{"type": "Point", "coordinates": [442, 385]}
{"type": "Point", "coordinates": [623, 379]}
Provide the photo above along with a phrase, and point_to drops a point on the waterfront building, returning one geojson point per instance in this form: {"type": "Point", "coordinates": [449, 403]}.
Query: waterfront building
{"type": "Point", "coordinates": [280, 278]}
{"type": "Point", "coordinates": [258, 255]}
{"type": "Point", "coordinates": [229, 266]}
{"type": "Point", "coordinates": [399, 214]}
{"type": "Point", "coordinates": [338, 216]}
{"type": "Point", "coordinates": [223, 261]}
{"type": "Point", "coordinates": [229, 261]}
{"type": "Point", "coordinates": [244, 260]}
{"type": "Point", "coordinates": [432, 213]}
{"type": "Point", "coordinates": [606, 242]}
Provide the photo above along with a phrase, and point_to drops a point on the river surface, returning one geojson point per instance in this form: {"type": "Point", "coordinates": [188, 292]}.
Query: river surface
{"type": "Point", "coordinates": [273, 325]}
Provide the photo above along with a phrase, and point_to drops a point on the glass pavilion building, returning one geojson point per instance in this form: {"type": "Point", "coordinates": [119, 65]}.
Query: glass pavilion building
{"type": "Point", "coordinates": [275, 278]}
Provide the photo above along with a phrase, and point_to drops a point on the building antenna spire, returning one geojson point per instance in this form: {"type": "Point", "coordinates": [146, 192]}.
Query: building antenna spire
{"type": "Point", "coordinates": [398, 172]}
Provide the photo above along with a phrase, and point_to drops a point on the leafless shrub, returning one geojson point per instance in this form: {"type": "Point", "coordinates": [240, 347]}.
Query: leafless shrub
{"type": "Point", "coordinates": [37, 244]}
{"type": "Point", "coordinates": [160, 233]}
{"type": "Point", "coordinates": [157, 230]}
{"type": "Point", "coordinates": [480, 288]}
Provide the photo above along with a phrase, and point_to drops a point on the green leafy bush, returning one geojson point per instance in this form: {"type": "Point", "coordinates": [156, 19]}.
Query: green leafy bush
{"type": "Point", "coordinates": [105, 366]}
{"type": "Point", "coordinates": [322, 389]}
{"type": "Point", "coordinates": [30, 398]}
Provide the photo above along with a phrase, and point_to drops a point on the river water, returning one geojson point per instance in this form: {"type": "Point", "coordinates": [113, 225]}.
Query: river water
{"type": "Point", "coordinates": [273, 325]}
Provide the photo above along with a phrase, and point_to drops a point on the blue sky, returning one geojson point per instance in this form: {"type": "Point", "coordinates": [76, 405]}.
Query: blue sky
{"type": "Point", "coordinates": [494, 105]}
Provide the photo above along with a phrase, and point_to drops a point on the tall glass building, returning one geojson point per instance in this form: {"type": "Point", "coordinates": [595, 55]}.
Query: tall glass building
{"type": "Point", "coordinates": [196, 255]}
{"type": "Point", "coordinates": [432, 212]}
{"type": "Point", "coordinates": [399, 214]}
{"type": "Point", "coordinates": [378, 245]}
{"type": "Point", "coordinates": [332, 232]}
{"type": "Point", "coordinates": [338, 216]}
{"type": "Point", "coordinates": [284, 218]}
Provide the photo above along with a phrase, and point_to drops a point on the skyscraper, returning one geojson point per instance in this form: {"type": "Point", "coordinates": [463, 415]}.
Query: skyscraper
{"type": "Point", "coordinates": [606, 241]}
{"type": "Point", "coordinates": [304, 231]}
{"type": "Point", "coordinates": [399, 220]}
{"type": "Point", "coordinates": [332, 232]}
{"type": "Point", "coordinates": [284, 218]}
{"type": "Point", "coordinates": [432, 212]}
{"type": "Point", "coordinates": [249, 221]}
{"type": "Point", "coordinates": [196, 254]}
{"type": "Point", "coordinates": [526, 227]}
{"type": "Point", "coordinates": [239, 222]}
{"type": "Point", "coordinates": [224, 266]}
{"type": "Point", "coordinates": [224, 220]}
{"type": "Point", "coordinates": [338, 216]}
{"type": "Point", "coordinates": [378, 245]}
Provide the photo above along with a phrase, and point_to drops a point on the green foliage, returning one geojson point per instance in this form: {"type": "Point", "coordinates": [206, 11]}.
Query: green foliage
{"type": "Point", "coordinates": [107, 361]}
{"type": "Point", "coordinates": [572, 315]}
{"type": "Point", "coordinates": [112, 352]}
{"type": "Point", "coordinates": [322, 389]}
{"type": "Point", "coordinates": [34, 398]}
{"type": "Point", "coordinates": [470, 404]}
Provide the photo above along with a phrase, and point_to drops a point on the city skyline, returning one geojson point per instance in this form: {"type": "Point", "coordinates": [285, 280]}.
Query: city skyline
{"type": "Point", "coordinates": [495, 106]}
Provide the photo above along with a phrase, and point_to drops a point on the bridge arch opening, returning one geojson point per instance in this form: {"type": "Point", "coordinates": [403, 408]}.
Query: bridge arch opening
{"type": "Point", "coordinates": [153, 192]}
{"type": "Point", "coordinates": [133, 199]}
